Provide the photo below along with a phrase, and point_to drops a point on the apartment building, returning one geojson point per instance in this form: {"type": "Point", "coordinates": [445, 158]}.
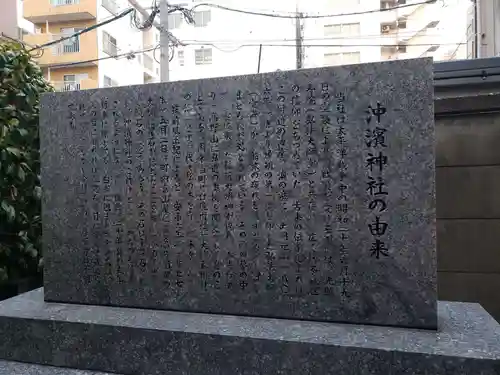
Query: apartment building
{"type": "Point", "coordinates": [372, 32]}
{"type": "Point", "coordinates": [224, 43]}
{"type": "Point", "coordinates": [106, 56]}
{"type": "Point", "coordinates": [12, 23]}
{"type": "Point", "coordinates": [411, 29]}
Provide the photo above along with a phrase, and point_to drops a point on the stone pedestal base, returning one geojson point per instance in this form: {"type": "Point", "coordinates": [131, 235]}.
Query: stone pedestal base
{"type": "Point", "coordinates": [145, 342]}
{"type": "Point", "coordinates": [18, 368]}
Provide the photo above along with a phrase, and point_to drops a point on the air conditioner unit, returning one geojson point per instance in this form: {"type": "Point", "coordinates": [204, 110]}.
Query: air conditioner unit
{"type": "Point", "coordinates": [386, 28]}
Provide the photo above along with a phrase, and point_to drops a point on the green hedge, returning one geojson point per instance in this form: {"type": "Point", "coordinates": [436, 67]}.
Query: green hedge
{"type": "Point", "coordinates": [21, 83]}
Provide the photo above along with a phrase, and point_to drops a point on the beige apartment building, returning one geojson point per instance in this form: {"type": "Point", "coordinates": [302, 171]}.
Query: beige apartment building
{"type": "Point", "coordinates": [107, 56]}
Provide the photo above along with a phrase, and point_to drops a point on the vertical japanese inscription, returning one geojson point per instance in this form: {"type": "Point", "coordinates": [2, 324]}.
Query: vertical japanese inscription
{"type": "Point", "coordinates": [165, 214]}
{"type": "Point", "coordinates": [117, 198]}
{"type": "Point", "coordinates": [107, 209]}
{"type": "Point", "coordinates": [261, 195]}
{"type": "Point", "coordinates": [141, 209]}
{"type": "Point", "coordinates": [376, 162]}
{"type": "Point", "coordinates": [96, 217]}
{"type": "Point", "coordinates": [327, 143]}
{"type": "Point", "coordinates": [342, 205]}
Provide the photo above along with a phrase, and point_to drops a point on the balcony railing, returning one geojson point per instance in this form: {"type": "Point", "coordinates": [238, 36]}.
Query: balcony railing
{"type": "Point", "coordinates": [78, 84]}
{"type": "Point", "coordinates": [58, 3]}
{"type": "Point", "coordinates": [70, 46]}
{"type": "Point", "coordinates": [66, 86]}
{"type": "Point", "coordinates": [110, 5]}
{"type": "Point", "coordinates": [82, 48]}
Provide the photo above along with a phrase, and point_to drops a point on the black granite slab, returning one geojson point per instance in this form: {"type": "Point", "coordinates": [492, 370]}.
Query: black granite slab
{"type": "Point", "coordinates": [304, 194]}
{"type": "Point", "coordinates": [144, 342]}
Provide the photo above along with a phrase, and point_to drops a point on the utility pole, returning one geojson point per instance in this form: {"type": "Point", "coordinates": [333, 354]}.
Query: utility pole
{"type": "Point", "coordinates": [260, 58]}
{"type": "Point", "coordinates": [298, 39]}
{"type": "Point", "coordinates": [487, 19]}
{"type": "Point", "coordinates": [164, 41]}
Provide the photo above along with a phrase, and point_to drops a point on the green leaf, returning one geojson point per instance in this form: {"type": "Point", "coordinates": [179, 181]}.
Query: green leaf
{"type": "Point", "coordinates": [14, 151]}
{"type": "Point", "coordinates": [21, 174]}
{"type": "Point", "coordinates": [13, 122]}
{"type": "Point", "coordinates": [9, 210]}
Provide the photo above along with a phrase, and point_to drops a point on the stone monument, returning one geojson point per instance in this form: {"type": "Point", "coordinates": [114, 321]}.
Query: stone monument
{"type": "Point", "coordinates": [280, 223]}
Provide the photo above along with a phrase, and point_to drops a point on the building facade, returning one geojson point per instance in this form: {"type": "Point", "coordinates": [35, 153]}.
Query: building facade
{"type": "Point", "coordinates": [110, 55]}
{"type": "Point", "coordinates": [227, 43]}
{"type": "Point", "coordinates": [12, 23]}
{"type": "Point", "coordinates": [224, 43]}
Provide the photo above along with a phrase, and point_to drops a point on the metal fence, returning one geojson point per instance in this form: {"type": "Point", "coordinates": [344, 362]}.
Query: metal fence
{"type": "Point", "coordinates": [66, 86]}
{"type": "Point", "coordinates": [58, 3]}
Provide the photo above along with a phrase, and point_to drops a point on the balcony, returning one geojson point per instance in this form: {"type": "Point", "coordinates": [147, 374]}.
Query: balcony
{"type": "Point", "coordinates": [41, 11]}
{"type": "Point", "coordinates": [401, 10]}
{"type": "Point", "coordinates": [82, 48]}
{"type": "Point", "coordinates": [83, 84]}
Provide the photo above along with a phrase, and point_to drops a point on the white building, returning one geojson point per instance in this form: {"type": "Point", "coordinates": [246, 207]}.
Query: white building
{"type": "Point", "coordinates": [227, 43]}
{"type": "Point", "coordinates": [224, 43]}
{"type": "Point", "coordinates": [12, 23]}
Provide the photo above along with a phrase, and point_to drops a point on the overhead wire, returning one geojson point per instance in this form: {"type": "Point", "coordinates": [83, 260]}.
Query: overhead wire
{"type": "Point", "coordinates": [83, 31]}
{"type": "Point", "coordinates": [327, 45]}
{"type": "Point", "coordinates": [380, 37]}
{"type": "Point", "coordinates": [125, 54]}
{"type": "Point", "coordinates": [305, 16]}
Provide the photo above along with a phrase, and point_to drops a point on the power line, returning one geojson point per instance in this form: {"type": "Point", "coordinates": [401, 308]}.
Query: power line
{"type": "Point", "coordinates": [208, 43]}
{"type": "Point", "coordinates": [130, 53]}
{"type": "Point", "coordinates": [275, 15]}
{"type": "Point", "coordinates": [356, 37]}
{"type": "Point", "coordinates": [86, 30]}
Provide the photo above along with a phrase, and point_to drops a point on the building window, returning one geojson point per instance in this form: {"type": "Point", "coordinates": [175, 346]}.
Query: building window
{"type": "Point", "coordinates": [350, 29]}
{"type": "Point", "coordinates": [175, 20]}
{"type": "Point", "coordinates": [69, 45]}
{"type": "Point", "coordinates": [402, 23]}
{"type": "Point", "coordinates": [342, 58]}
{"type": "Point", "coordinates": [180, 57]}
{"type": "Point", "coordinates": [402, 48]}
{"type": "Point", "coordinates": [70, 82]}
{"type": "Point", "coordinates": [386, 4]}
{"type": "Point", "coordinates": [201, 19]}
{"type": "Point", "coordinates": [203, 56]}
{"type": "Point", "coordinates": [109, 44]}
{"type": "Point", "coordinates": [108, 82]}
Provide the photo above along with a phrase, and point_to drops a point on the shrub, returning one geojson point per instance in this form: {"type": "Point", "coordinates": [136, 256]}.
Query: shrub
{"type": "Point", "coordinates": [21, 83]}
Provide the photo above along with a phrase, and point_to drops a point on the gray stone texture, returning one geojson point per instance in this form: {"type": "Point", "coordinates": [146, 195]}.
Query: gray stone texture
{"type": "Point", "coordinates": [247, 195]}
{"type": "Point", "coordinates": [476, 287]}
{"type": "Point", "coordinates": [17, 368]}
{"type": "Point", "coordinates": [146, 342]}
